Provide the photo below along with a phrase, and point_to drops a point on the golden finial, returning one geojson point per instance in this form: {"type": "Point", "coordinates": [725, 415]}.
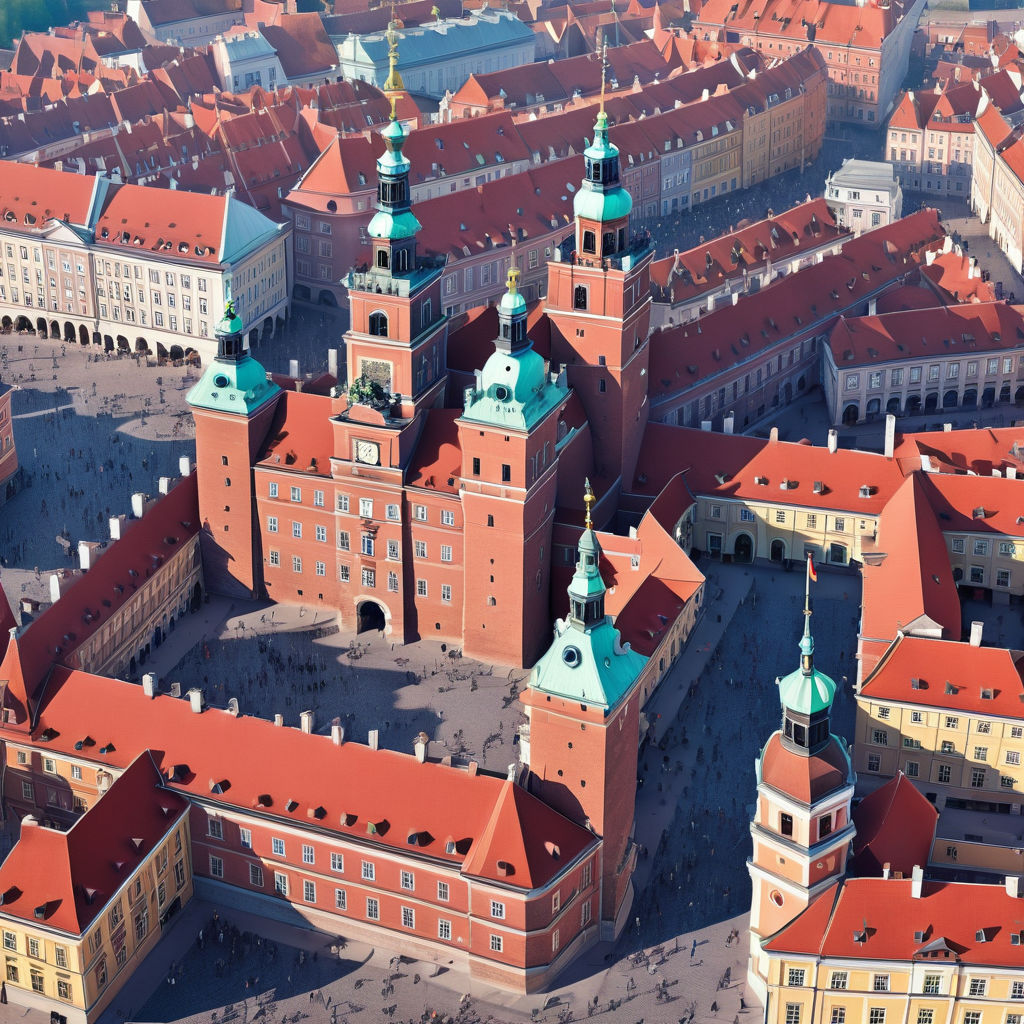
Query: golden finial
{"type": "Point", "coordinates": [513, 279]}
{"type": "Point", "coordinates": [604, 69]}
{"type": "Point", "coordinates": [394, 83]}
{"type": "Point", "coordinates": [588, 500]}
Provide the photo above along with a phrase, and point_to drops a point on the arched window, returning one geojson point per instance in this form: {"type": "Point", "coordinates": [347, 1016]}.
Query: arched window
{"type": "Point", "coordinates": [402, 259]}
{"type": "Point", "coordinates": [382, 258]}
{"type": "Point", "coordinates": [608, 243]}
{"type": "Point", "coordinates": [589, 241]}
{"type": "Point", "coordinates": [425, 314]}
{"type": "Point", "coordinates": [579, 297]}
{"type": "Point", "coordinates": [378, 324]}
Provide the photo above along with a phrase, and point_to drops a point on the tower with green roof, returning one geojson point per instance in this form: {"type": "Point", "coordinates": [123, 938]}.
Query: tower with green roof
{"type": "Point", "coordinates": [599, 306]}
{"type": "Point", "coordinates": [583, 705]}
{"type": "Point", "coordinates": [802, 828]}
{"type": "Point", "coordinates": [398, 337]}
{"type": "Point", "coordinates": [233, 405]}
{"type": "Point", "coordinates": [508, 435]}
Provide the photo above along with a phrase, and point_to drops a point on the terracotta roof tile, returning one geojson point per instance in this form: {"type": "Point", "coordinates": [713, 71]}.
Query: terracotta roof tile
{"type": "Point", "coordinates": [807, 779]}
{"type": "Point", "coordinates": [895, 826]}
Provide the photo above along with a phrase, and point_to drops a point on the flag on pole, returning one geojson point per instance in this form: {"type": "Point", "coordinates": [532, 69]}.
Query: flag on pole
{"type": "Point", "coordinates": [812, 573]}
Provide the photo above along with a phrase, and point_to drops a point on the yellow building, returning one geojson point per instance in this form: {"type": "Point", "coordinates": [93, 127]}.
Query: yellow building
{"type": "Point", "coordinates": [82, 908]}
{"type": "Point", "coordinates": [950, 717]}
{"type": "Point", "coordinates": [900, 951]}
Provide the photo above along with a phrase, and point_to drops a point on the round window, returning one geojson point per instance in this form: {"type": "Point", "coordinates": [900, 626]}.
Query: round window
{"type": "Point", "coordinates": [221, 381]}
{"type": "Point", "coordinates": [571, 656]}
{"type": "Point", "coordinates": [502, 393]}
{"type": "Point", "coordinates": [776, 897]}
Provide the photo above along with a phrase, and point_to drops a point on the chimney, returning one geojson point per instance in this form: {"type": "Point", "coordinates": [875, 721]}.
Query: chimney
{"type": "Point", "coordinates": [332, 362]}
{"type": "Point", "coordinates": [773, 435]}
{"type": "Point", "coordinates": [165, 485]}
{"type": "Point", "coordinates": [872, 307]}
{"type": "Point", "coordinates": [149, 684]}
{"type": "Point", "coordinates": [474, 767]}
{"type": "Point", "coordinates": [420, 746]}
{"type": "Point", "coordinates": [116, 527]}
{"type": "Point", "coordinates": [293, 367]}
{"type": "Point", "coordinates": [947, 428]}
{"type": "Point", "coordinates": [916, 881]}
{"type": "Point", "coordinates": [728, 424]}
{"type": "Point", "coordinates": [373, 739]}
{"type": "Point", "coordinates": [278, 720]}
{"type": "Point", "coordinates": [195, 698]}
{"type": "Point", "coordinates": [306, 721]}
{"type": "Point", "coordinates": [58, 583]}
{"type": "Point", "coordinates": [1011, 472]}
{"type": "Point", "coordinates": [184, 465]}
{"type": "Point", "coordinates": [88, 552]}
{"type": "Point", "coordinates": [976, 630]}
{"type": "Point", "coordinates": [887, 870]}
{"type": "Point", "coordinates": [140, 502]}
{"type": "Point", "coordinates": [833, 440]}
{"type": "Point", "coordinates": [890, 435]}
{"type": "Point", "coordinates": [337, 734]}
{"type": "Point", "coordinates": [1013, 886]}
{"type": "Point", "coordinates": [705, 425]}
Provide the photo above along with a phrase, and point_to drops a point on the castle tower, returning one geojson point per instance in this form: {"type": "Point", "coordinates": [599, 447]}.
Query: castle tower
{"type": "Point", "coordinates": [508, 433]}
{"type": "Point", "coordinates": [599, 305]}
{"type": "Point", "coordinates": [583, 705]}
{"type": "Point", "coordinates": [232, 405]}
{"type": "Point", "coordinates": [802, 828]}
{"type": "Point", "coordinates": [398, 338]}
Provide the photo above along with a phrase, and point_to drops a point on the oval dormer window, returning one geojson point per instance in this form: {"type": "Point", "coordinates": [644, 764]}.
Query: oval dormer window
{"type": "Point", "coordinates": [571, 656]}
{"type": "Point", "coordinates": [221, 381]}
{"type": "Point", "coordinates": [502, 393]}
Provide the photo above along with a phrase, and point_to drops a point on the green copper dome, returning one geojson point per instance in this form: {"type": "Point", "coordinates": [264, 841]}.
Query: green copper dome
{"type": "Point", "coordinates": [393, 225]}
{"type": "Point", "coordinates": [807, 693]}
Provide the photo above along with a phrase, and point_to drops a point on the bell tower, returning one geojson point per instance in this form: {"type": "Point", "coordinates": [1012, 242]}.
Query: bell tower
{"type": "Point", "coordinates": [580, 746]}
{"type": "Point", "coordinates": [399, 334]}
{"type": "Point", "coordinates": [802, 829]}
{"type": "Point", "coordinates": [508, 435]}
{"type": "Point", "coordinates": [599, 304]}
{"type": "Point", "coordinates": [232, 405]}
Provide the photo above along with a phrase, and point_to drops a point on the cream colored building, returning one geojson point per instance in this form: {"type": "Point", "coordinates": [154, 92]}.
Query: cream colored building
{"type": "Point", "coordinates": [70, 941]}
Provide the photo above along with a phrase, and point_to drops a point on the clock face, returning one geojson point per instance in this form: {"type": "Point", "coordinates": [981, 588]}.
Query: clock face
{"type": "Point", "coordinates": [368, 452]}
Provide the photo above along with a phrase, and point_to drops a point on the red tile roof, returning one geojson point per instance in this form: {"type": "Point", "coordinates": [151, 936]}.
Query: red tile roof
{"type": "Point", "coordinates": [688, 353]}
{"type": "Point", "coordinates": [30, 196]}
{"type": "Point", "coordinates": [962, 451]}
{"type": "Point", "coordinates": [741, 462]}
{"type": "Point", "coordinates": [301, 438]}
{"type": "Point", "coordinates": [807, 779]}
{"type": "Point", "coordinates": [339, 789]}
{"type": "Point", "coordinates": [437, 461]}
{"type": "Point", "coordinates": [957, 278]}
{"type": "Point", "coordinates": [895, 826]}
{"type": "Point", "coordinates": [302, 45]}
{"type": "Point", "coordinates": [69, 877]}
{"type": "Point", "coordinates": [976, 504]}
{"type": "Point", "coordinates": [779, 238]}
{"type": "Point", "coordinates": [942, 332]}
{"type": "Point", "coordinates": [907, 579]}
{"type": "Point", "coordinates": [95, 596]}
{"type": "Point", "coordinates": [7, 619]}
{"type": "Point", "coordinates": [951, 911]}
{"type": "Point", "coordinates": [951, 676]}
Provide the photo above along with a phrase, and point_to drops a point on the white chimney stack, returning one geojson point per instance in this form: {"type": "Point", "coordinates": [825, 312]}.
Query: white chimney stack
{"type": "Point", "coordinates": [1013, 886]}
{"type": "Point", "coordinates": [89, 552]}
{"type": "Point", "coordinates": [705, 425]}
{"type": "Point", "coordinates": [890, 435]}
{"type": "Point", "coordinates": [306, 721]}
{"type": "Point", "coordinates": [184, 465]}
{"type": "Point", "coordinates": [116, 527]}
{"type": "Point", "coordinates": [337, 734]}
{"type": "Point", "coordinates": [729, 424]}
{"type": "Point", "coordinates": [373, 739]}
{"type": "Point", "coordinates": [140, 502]}
{"type": "Point", "coordinates": [977, 627]}
{"type": "Point", "coordinates": [833, 441]}
{"type": "Point", "coordinates": [293, 367]}
{"type": "Point", "coordinates": [916, 881]}
{"type": "Point", "coordinates": [149, 684]}
{"type": "Point", "coordinates": [165, 485]}
{"type": "Point", "coordinates": [278, 720]}
{"type": "Point", "coordinates": [420, 746]}
{"type": "Point", "coordinates": [195, 698]}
